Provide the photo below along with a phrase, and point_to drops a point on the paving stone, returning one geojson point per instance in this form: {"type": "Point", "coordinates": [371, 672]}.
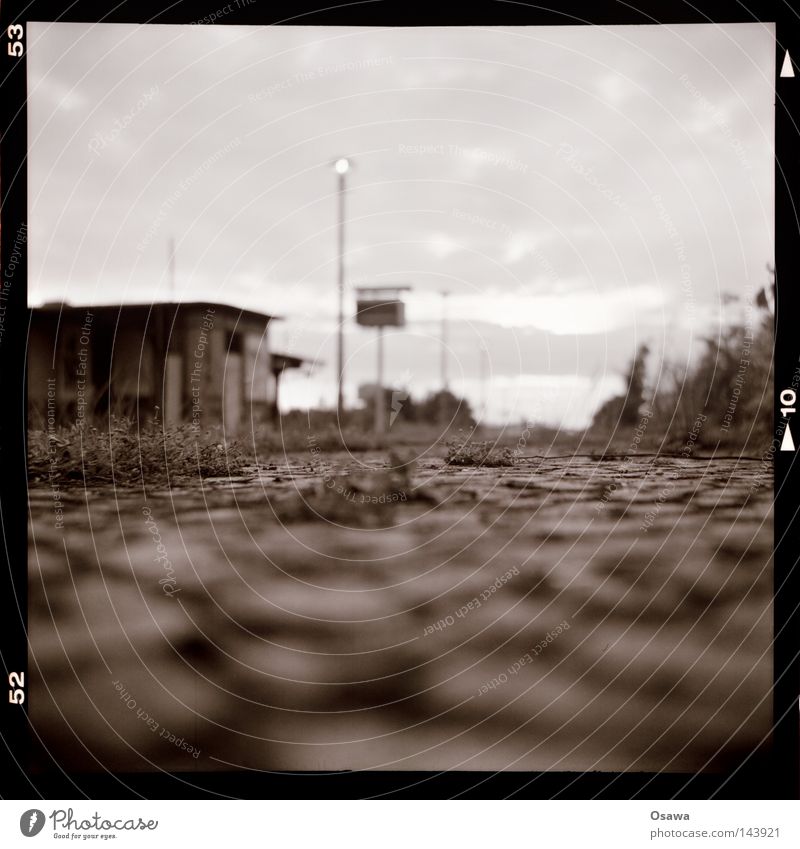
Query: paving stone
{"type": "Point", "coordinates": [306, 630]}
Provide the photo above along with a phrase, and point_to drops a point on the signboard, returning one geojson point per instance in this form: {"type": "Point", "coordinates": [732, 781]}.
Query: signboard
{"type": "Point", "coordinates": [380, 307]}
{"type": "Point", "coordinates": [380, 313]}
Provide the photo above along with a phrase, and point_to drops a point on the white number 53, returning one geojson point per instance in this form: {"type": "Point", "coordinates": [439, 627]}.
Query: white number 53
{"type": "Point", "coordinates": [15, 33]}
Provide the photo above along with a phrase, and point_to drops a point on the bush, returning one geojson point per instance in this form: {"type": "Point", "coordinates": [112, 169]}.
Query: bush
{"type": "Point", "coordinates": [731, 385]}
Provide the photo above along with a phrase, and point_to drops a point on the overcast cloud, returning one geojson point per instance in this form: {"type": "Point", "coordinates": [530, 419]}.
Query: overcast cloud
{"type": "Point", "coordinates": [578, 190]}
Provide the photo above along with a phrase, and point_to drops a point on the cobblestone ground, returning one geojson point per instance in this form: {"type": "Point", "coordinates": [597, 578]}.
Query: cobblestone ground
{"type": "Point", "coordinates": [566, 613]}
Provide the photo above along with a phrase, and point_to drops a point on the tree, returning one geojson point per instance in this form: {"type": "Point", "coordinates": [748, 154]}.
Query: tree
{"type": "Point", "coordinates": [625, 410]}
{"type": "Point", "coordinates": [443, 407]}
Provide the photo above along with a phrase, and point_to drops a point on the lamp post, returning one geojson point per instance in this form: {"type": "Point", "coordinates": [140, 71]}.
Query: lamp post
{"type": "Point", "coordinates": [341, 166]}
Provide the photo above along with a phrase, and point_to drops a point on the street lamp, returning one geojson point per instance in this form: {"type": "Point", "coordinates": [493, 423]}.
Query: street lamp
{"type": "Point", "coordinates": [341, 166]}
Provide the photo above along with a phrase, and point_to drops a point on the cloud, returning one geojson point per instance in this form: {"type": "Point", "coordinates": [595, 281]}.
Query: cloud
{"type": "Point", "coordinates": [484, 206]}
{"type": "Point", "coordinates": [571, 312]}
{"type": "Point", "coordinates": [442, 246]}
{"type": "Point", "coordinates": [614, 89]}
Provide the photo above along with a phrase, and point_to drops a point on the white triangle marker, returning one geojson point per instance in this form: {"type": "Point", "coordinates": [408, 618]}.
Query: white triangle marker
{"type": "Point", "coordinates": [787, 70]}
{"type": "Point", "coordinates": [787, 443]}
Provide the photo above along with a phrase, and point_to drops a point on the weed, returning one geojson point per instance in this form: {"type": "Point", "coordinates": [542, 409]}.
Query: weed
{"type": "Point", "coordinates": [466, 453]}
{"type": "Point", "coordinates": [127, 455]}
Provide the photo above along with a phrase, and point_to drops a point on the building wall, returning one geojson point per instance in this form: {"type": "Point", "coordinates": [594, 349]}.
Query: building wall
{"type": "Point", "coordinates": [189, 361]}
{"type": "Point", "coordinates": [259, 380]}
{"type": "Point", "coordinates": [216, 349]}
{"type": "Point", "coordinates": [39, 371]}
{"type": "Point", "coordinates": [59, 367]}
{"type": "Point", "coordinates": [197, 329]}
{"type": "Point", "coordinates": [133, 370]}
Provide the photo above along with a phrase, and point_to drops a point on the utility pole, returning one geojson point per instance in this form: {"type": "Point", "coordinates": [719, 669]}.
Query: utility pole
{"type": "Point", "coordinates": [484, 373]}
{"type": "Point", "coordinates": [445, 387]}
{"type": "Point", "coordinates": [444, 341]}
{"type": "Point", "coordinates": [172, 267]}
{"type": "Point", "coordinates": [342, 166]}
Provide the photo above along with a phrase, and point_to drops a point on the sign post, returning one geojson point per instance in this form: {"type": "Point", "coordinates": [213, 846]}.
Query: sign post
{"type": "Point", "coordinates": [380, 307]}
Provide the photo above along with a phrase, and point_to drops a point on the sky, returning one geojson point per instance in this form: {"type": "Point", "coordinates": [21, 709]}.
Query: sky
{"type": "Point", "coordinates": [578, 191]}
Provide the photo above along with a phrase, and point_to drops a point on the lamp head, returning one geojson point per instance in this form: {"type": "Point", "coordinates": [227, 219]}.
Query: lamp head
{"type": "Point", "coordinates": [342, 166]}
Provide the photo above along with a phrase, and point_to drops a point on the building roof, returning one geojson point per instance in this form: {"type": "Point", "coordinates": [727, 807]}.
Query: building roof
{"type": "Point", "coordinates": [284, 361]}
{"type": "Point", "coordinates": [60, 306]}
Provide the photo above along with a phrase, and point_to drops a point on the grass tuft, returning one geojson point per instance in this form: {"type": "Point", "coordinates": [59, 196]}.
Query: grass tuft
{"type": "Point", "coordinates": [460, 453]}
{"type": "Point", "coordinates": [129, 456]}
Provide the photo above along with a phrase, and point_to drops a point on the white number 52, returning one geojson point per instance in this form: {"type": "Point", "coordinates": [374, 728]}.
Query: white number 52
{"type": "Point", "coordinates": [16, 679]}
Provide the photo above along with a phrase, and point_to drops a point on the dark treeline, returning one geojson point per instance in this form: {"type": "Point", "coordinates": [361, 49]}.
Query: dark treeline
{"type": "Point", "coordinates": [724, 399]}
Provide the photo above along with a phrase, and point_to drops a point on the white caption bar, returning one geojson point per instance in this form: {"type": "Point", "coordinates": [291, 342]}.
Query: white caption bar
{"type": "Point", "coordinates": [398, 824]}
